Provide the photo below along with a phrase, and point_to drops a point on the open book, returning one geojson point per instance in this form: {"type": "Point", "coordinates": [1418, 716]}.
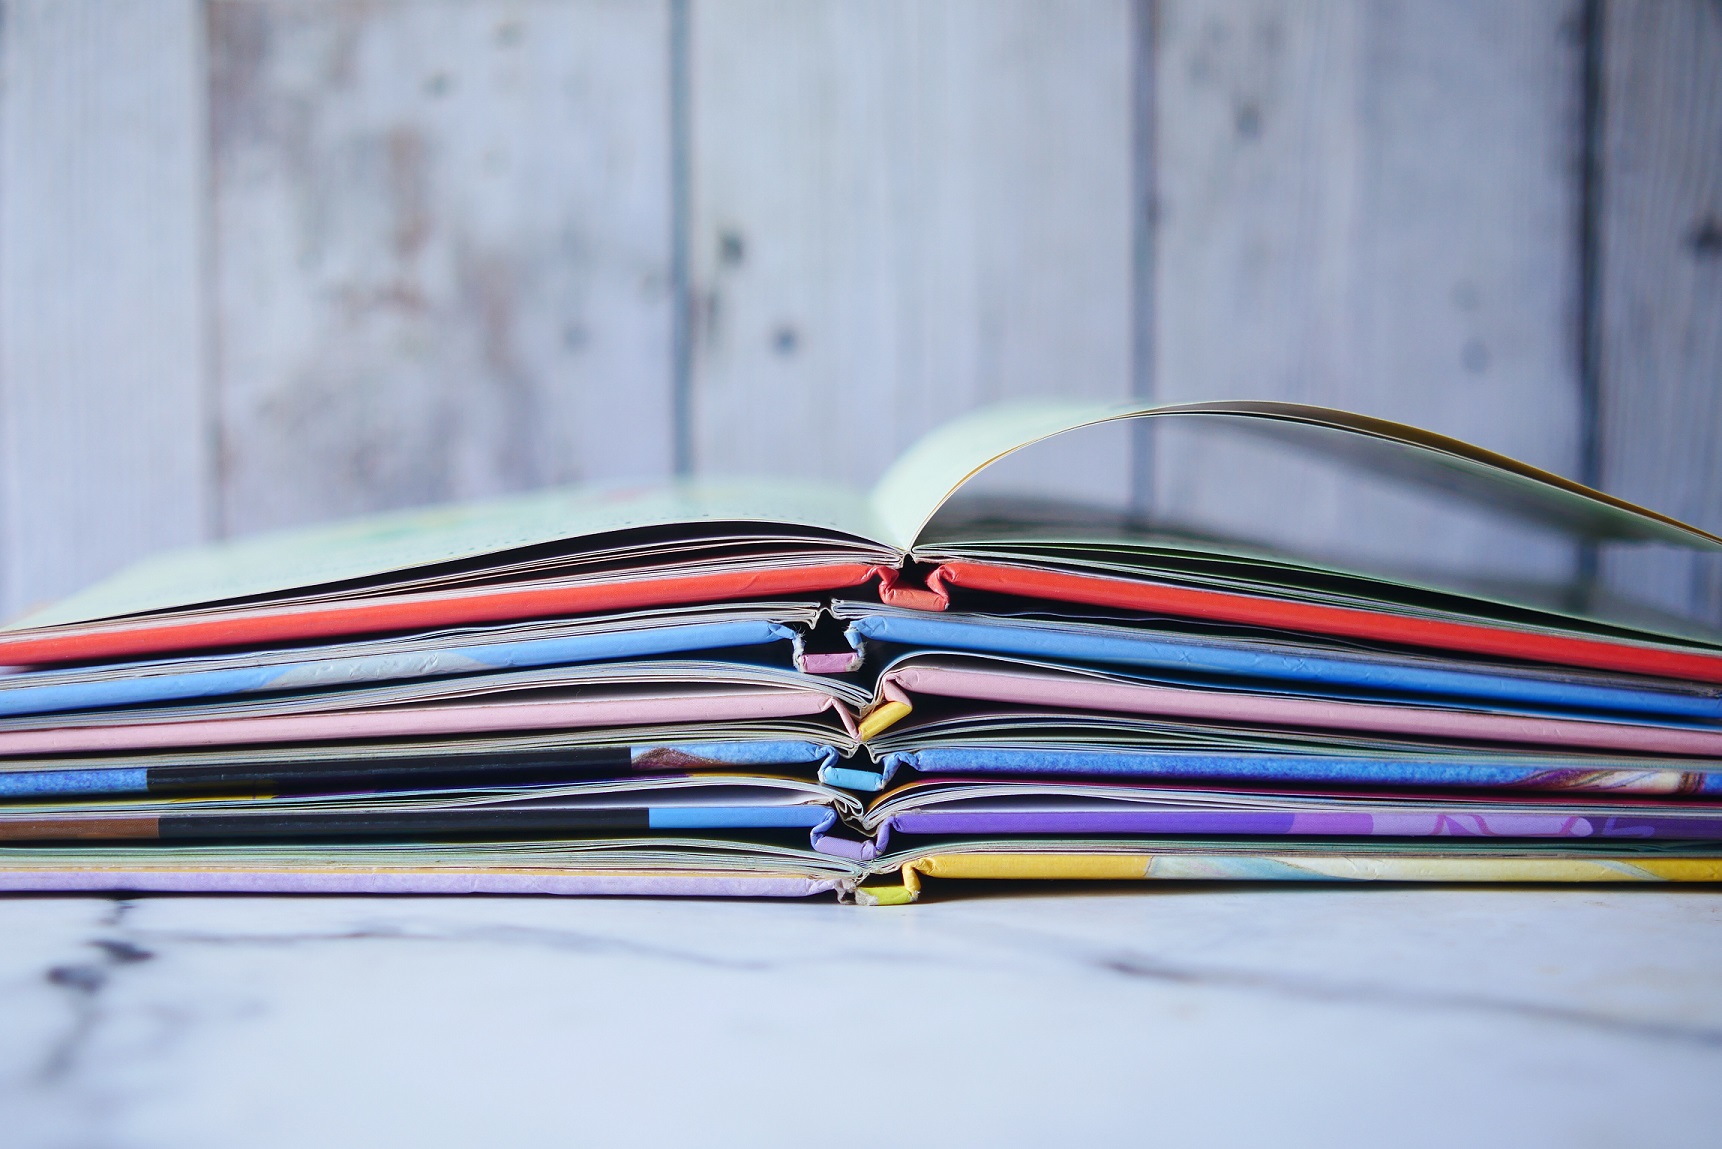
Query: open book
{"type": "Point", "coordinates": [747, 686]}
{"type": "Point", "coordinates": [618, 549]}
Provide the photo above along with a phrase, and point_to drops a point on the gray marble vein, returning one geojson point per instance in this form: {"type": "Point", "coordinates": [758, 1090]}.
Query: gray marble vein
{"type": "Point", "coordinates": [1072, 1015]}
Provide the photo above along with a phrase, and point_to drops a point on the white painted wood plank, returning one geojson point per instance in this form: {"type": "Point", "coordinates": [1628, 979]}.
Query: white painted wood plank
{"type": "Point", "coordinates": [902, 211]}
{"type": "Point", "coordinates": [1371, 206]}
{"type": "Point", "coordinates": [442, 250]}
{"type": "Point", "coordinates": [103, 452]}
{"type": "Point", "coordinates": [1661, 298]}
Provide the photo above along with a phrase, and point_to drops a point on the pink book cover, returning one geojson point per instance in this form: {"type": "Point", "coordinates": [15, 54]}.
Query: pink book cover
{"type": "Point", "coordinates": [1026, 685]}
{"type": "Point", "coordinates": [633, 709]}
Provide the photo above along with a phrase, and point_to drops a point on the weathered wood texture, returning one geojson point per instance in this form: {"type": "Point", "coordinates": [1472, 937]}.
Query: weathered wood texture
{"type": "Point", "coordinates": [266, 261]}
{"type": "Point", "coordinates": [102, 332]}
{"type": "Point", "coordinates": [1371, 206]}
{"type": "Point", "coordinates": [441, 250]}
{"type": "Point", "coordinates": [902, 211]}
{"type": "Point", "coordinates": [1661, 304]}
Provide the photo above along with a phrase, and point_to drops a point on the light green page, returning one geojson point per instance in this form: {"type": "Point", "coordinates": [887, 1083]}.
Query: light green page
{"type": "Point", "coordinates": [892, 516]}
{"type": "Point", "coordinates": [285, 560]}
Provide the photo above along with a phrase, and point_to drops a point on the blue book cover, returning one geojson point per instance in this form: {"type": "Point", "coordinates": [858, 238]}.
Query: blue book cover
{"type": "Point", "coordinates": [1260, 661]}
{"type": "Point", "coordinates": [442, 654]}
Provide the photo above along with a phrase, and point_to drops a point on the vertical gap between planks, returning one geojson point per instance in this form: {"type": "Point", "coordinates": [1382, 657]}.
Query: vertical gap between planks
{"type": "Point", "coordinates": [681, 286]}
{"type": "Point", "coordinates": [214, 424]}
{"type": "Point", "coordinates": [6, 93]}
{"type": "Point", "coordinates": [1591, 25]}
{"type": "Point", "coordinates": [1143, 15]}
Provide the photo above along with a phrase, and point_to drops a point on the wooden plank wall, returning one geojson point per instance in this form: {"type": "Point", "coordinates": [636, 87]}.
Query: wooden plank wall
{"type": "Point", "coordinates": [901, 211]}
{"type": "Point", "coordinates": [264, 262]}
{"type": "Point", "coordinates": [1372, 207]}
{"type": "Point", "coordinates": [1660, 285]}
{"type": "Point", "coordinates": [103, 329]}
{"type": "Point", "coordinates": [441, 236]}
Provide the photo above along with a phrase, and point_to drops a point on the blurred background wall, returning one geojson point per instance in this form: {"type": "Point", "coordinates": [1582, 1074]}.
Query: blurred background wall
{"type": "Point", "coordinates": [264, 262]}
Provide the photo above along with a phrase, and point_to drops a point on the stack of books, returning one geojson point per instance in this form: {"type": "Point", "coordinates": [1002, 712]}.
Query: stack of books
{"type": "Point", "coordinates": [748, 688]}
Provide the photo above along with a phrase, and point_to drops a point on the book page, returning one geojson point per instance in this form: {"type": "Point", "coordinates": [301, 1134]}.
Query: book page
{"type": "Point", "coordinates": [400, 541]}
{"type": "Point", "coordinates": [911, 492]}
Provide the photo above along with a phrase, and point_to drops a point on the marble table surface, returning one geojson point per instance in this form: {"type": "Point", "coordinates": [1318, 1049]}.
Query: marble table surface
{"type": "Point", "coordinates": [1177, 1014]}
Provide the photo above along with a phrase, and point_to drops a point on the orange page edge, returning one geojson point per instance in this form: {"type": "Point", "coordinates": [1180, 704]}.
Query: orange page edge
{"type": "Point", "coordinates": [1308, 618]}
{"type": "Point", "coordinates": [122, 638]}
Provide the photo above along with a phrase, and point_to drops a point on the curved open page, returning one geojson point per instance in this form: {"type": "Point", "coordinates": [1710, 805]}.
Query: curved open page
{"type": "Point", "coordinates": [918, 484]}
